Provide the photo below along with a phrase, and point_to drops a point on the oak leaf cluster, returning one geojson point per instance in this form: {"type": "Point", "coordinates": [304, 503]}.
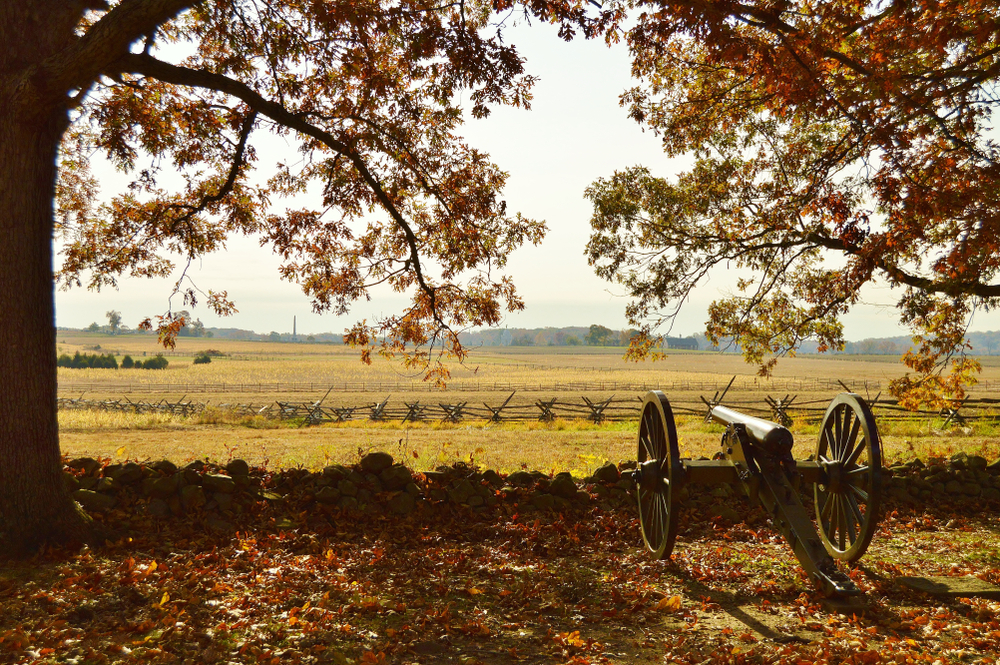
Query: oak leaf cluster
{"type": "Point", "coordinates": [835, 145]}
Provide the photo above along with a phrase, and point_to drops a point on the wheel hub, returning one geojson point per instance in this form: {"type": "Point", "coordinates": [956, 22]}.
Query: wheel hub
{"type": "Point", "coordinates": [834, 476]}
{"type": "Point", "coordinates": [649, 474]}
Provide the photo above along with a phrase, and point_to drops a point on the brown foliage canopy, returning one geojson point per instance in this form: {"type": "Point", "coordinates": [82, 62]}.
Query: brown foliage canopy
{"type": "Point", "coordinates": [836, 143]}
{"type": "Point", "coordinates": [368, 96]}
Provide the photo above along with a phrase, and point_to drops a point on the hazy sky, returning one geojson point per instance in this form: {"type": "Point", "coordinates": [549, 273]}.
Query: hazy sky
{"type": "Point", "coordinates": [574, 133]}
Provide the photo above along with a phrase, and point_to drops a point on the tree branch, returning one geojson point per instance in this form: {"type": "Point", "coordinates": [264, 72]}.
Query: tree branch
{"type": "Point", "coordinates": [234, 169]}
{"type": "Point", "coordinates": [197, 78]}
{"type": "Point", "coordinates": [105, 42]}
{"type": "Point", "coordinates": [903, 277]}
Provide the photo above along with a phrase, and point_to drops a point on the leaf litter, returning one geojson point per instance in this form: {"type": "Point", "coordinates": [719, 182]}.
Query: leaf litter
{"type": "Point", "coordinates": [295, 581]}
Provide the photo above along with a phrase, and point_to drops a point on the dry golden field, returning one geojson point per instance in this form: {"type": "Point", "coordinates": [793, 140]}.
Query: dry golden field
{"type": "Point", "coordinates": [262, 372]}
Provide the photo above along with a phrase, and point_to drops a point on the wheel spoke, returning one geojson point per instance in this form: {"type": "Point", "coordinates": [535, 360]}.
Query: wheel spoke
{"type": "Point", "coordinates": [826, 508]}
{"type": "Point", "coordinates": [647, 431]}
{"type": "Point", "coordinates": [855, 510]}
{"type": "Point", "coordinates": [842, 520]}
{"type": "Point", "coordinates": [656, 532]}
{"type": "Point", "coordinates": [834, 519]}
{"type": "Point", "coordinates": [861, 494]}
{"type": "Point", "coordinates": [664, 515]}
{"type": "Point", "coordinates": [831, 521]}
{"type": "Point", "coordinates": [856, 453]}
{"type": "Point", "coordinates": [827, 444]}
{"type": "Point", "coordinates": [644, 436]}
{"type": "Point", "coordinates": [655, 520]}
{"type": "Point", "coordinates": [845, 429]}
{"type": "Point", "coordinates": [851, 522]}
{"type": "Point", "coordinates": [837, 428]}
{"type": "Point", "coordinates": [849, 418]}
{"type": "Point", "coordinates": [857, 471]}
{"type": "Point", "coordinates": [848, 449]}
{"type": "Point", "coordinates": [659, 439]}
{"type": "Point", "coordinates": [664, 508]}
{"type": "Point", "coordinates": [651, 433]}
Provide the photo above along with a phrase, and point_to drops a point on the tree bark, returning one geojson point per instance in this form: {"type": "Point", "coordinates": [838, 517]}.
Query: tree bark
{"type": "Point", "coordinates": [35, 504]}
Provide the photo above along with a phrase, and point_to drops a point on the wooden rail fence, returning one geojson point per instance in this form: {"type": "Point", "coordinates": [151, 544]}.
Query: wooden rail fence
{"type": "Point", "coordinates": [533, 409]}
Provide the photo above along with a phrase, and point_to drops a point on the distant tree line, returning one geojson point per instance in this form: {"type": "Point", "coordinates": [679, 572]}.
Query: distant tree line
{"type": "Point", "coordinates": [88, 360]}
{"type": "Point", "coordinates": [594, 335]}
{"type": "Point", "coordinates": [108, 361]}
{"type": "Point", "coordinates": [982, 344]}
{"type": "Point", "coordinates": [193, 328]}
{"type": "Point", "coordinates": [156, 362]}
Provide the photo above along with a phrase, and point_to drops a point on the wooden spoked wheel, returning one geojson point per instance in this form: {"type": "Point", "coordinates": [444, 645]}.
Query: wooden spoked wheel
{"type": "Point", "coordinates": [659, 464]}
{"type": "Point", "coordinates": [849, 495]}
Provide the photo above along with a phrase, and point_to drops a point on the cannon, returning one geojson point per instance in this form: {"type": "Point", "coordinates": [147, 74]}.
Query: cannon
{"type": "Point", "coordinates": [844, 472]}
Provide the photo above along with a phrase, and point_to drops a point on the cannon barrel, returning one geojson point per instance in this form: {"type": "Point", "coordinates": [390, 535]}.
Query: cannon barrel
{"type": "Point", "coordinates": [772, 437]}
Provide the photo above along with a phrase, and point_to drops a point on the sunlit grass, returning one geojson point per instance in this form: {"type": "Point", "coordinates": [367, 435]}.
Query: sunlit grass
{"type": "Point", "coordinates": [563, 445]}
{"type": "Point", "coordinates": [259, 373]}
{"type": "Point", "coordinates": [86, 420]}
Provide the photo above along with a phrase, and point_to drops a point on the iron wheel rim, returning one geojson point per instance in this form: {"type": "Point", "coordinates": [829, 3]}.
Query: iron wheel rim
{"type": "Point", "coordinates": [849, 501]}
{"type": "Point", "coordinates": [657, 492]}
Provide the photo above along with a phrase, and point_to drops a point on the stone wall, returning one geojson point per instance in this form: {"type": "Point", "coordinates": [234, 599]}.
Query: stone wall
{"type": "Point", "coordinates": [378, 484]}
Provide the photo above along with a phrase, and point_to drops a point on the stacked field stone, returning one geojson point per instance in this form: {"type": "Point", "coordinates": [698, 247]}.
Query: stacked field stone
{"type": "Point", "coordinates": [379, 484]}
{"type": "Point", "coordinates": [962, 477]}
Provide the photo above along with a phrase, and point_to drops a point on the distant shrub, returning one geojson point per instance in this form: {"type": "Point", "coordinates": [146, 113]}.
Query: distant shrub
{"type": "Point", "coordinates": [212, 353]}
{"type": "Point", "coordinates": [88, 360]}
{"type": "Point", "coordinates": [156, 362]}
{"type": "Point", "coordinates": [108, 361]}
{"type": "Point", "coordinates": [203, 359]}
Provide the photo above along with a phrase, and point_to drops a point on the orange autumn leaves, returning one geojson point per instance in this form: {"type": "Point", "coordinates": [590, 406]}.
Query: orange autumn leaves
{"type": "Point", "coordinates": [837, 145]}
{"type": "Point", "coordinates": [369, 98]}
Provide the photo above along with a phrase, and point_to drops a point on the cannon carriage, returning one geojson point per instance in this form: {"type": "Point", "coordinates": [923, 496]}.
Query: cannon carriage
{"type": "Point", "coordinates": [844, 475]}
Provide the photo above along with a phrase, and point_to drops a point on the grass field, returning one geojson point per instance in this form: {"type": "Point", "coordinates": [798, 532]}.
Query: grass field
{"type": "Point", "coordinates": [575, 446]}
{"type": "Point", "coordinates": [262, 372]}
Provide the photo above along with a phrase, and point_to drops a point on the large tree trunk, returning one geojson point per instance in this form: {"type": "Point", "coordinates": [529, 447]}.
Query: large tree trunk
{"type": "Point", "coordinates": [35, 505]}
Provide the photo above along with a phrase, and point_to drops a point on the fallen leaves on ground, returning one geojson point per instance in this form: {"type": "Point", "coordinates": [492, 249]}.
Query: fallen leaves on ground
{"type": "Point", "coordinates": [298, 582]}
